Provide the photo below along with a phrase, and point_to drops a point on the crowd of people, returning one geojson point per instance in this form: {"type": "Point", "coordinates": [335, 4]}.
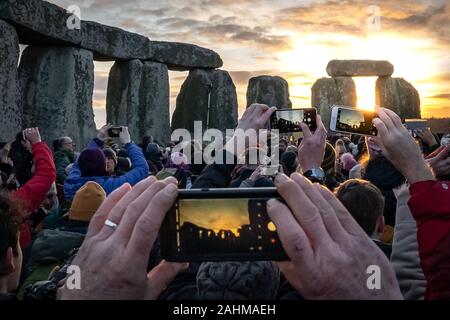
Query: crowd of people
{"type": "Point", "coordinates": [350, 202]}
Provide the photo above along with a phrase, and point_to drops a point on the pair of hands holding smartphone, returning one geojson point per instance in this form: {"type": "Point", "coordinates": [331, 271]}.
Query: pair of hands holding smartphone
{"type": "Point", "coordinates": [329, 253]}
{"type": "Point", "coordinates": [110, 131]}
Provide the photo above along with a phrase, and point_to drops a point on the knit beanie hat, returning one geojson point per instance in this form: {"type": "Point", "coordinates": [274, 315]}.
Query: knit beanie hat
{"type": "Point", "coordinates": [256, 280]}
{"type": "Point", "coordinates": [292, 149]}
{"type": "Point", "coordinates": [348, 161]}
{"type": "Point", "coordinates": [330, 157]}
{"type": "Point", "coordinates": [92, 163]}
{"type": "Point", "coordinates": [153, 149]}
{"type": "Point", "coordinates": [110, 154]}
{"type": "Point", "coordinates": [86, 202]}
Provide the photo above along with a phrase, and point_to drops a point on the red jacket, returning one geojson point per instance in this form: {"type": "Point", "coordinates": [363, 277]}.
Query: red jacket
{"type": "Point", "coordinates": [430, 206]}
{"type": "Point", "coordinates": [35, 190]}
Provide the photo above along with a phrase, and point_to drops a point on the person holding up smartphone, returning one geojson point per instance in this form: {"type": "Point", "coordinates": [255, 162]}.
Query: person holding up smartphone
{"type": "Point", "coordinates": [91, 164]}
{"type": "Point", "coordinates": [34, 191]}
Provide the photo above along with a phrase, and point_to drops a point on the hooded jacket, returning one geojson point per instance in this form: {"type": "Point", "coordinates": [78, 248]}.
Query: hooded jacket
{"type": "Point", "coordinates": [138, 172]}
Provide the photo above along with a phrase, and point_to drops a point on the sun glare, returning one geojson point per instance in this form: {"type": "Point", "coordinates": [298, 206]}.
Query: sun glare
{"type": "Point", "coordinates": [365, 92]}
{"type": "Point", "coordinates": [311, 52]}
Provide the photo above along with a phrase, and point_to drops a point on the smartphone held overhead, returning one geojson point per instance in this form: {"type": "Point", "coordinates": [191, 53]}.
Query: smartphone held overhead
{"type": "Point", "coordinates": [114, 131]}
{"type": "Point", "coordinates": [353, 121]}
{"type": "Point", "coordinates": [221, 225]}
{"type": "Point", "coordinates": [289, 120]}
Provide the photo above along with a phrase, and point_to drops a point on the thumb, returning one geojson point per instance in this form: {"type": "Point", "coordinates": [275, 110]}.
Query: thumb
{"type": "Point", "coordinates": [443, 153]}
{"type": "Point", "coordinates": [162, 275]}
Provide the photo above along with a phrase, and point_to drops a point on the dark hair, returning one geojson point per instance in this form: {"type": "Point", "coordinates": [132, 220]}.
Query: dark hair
{"type": "Point", "coordinates": [19, 137]}
{"type": "Point", "coordinates": [57, 144]}
{"type": "Point", "coordinates": [8, 226]}
{"type": "Point", "coordinates": [364, 201]}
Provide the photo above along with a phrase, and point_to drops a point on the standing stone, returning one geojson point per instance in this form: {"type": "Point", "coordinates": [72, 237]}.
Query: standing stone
{"type": "Point", "coordinates": [273, 91]}
{"type": "Point", "coordinates": [9, 109]}
{"type": "Point", "coordinates": [192, 101]}
{"type": "Point", "coordinates": [359, 68]}
{"type": "Point", "coordinates": [327, 92]}
{"type": "Point", "coordinates": [57, 85]}
{"type": "Point", "coordinates": [398, 95]}
{"type": "Point", "coordinates": [138, 97]}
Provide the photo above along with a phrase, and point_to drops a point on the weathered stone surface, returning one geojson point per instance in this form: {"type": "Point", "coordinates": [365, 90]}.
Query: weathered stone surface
{"type": "Point", "coordinates": [327, 92]}
{"type": "Point", "coordinates": [39, 22]}
{"type": "Point", "coordinates": [9, 55]}
{"type": "Point", "coordinates": [57, 85]}
{"type": "Point", "coordinates": [398, 95]}
{"type": "Point", "coordinates": [192, 101]}
{"type": "Point", "coordinates": [110, 43]}
{"type": "Point", "coordinates": [273, 91]}
{"type": "Point", "coordinates": [138, 96]}
{"type": "Point", "coordinates": [184, 56]}
{"type": "Point", "coordinates": [359, 68]}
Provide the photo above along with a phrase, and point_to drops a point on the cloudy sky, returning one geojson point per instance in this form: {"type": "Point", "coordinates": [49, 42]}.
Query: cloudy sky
{"type": "Point", "coordinates": [294, 39]}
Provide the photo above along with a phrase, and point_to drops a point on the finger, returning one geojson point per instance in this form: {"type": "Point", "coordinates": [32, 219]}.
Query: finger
{"type": "Point", "coordinates": [435, 153]}
{"type": "Point", "coordinates": [250, 109]}
{"type": "Point", "coordinates": [305, 211]}
{"type": "Point", "coordinates": [161, 276]}
{"type": "Point", "coordinates": [444, 153]}
{"type": "Point", "coordinates": [147, 226]}
{"type": "Point", "coordinates": [394, 117]}
{"type": "Point", "coordinates": [326, 211]}
{"type": "Point", "coordinates": [98, 220]}
{"type": "Point", "coordinates": [386, 119]}
{"type": "Point", "coordinates": [137, 207]}
{"type": "Point", "coordinates": [266, 115]}
{"type": "Point", "coordinates": [345, 218]}
{"type": "Point", "coordinates": [122, 206]}
{"type": "Point", "coordinates": [292, 236]}
{"type": "Point", "coordinates": [381, 128]}
{"type": "Point", "coordinates": [323, 131]}
{"type": "Point", "coordinates": [116, 213]}
{"type": "Point", "coordinates": [306, 132]}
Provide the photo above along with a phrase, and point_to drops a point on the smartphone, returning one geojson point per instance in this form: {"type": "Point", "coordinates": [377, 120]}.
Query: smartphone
{"type": "Point", "coordinates": [413, 125]}
{"type": "Point", "coordinates": [115, 131]}
{"type": "Point", "coordinates": [288, 120]}
{"type": "Point", "coordinates": [354, 121]}
{"type": "Point", "coordinates": [269, 171]}
{"type": "Point", "coordinates": [221, 225]}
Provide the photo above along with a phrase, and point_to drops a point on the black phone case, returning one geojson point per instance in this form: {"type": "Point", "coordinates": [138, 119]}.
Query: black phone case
{"type": "Point", "coordinates": [309, 119]}
{"type": "Point", "coordinates": [168, 232]}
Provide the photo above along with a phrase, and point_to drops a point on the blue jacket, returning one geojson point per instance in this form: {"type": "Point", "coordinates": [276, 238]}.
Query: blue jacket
{"type": "Point", "coordinates": [138, 172]}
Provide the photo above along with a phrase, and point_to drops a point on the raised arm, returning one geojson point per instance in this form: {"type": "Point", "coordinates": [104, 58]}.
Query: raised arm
{"type": "Point", "coordinates": [429, 202]}
{"type": "Point", "coordinates": [35, 190]}
{"type": "Point", "coordinates": [139, 170]}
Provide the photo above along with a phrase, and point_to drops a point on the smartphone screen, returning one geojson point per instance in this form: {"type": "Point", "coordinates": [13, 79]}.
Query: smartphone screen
{"type": "Point", "coordinates": [288, 120]}
{"type": "Point", "coordinates": [221, 225]}
{"type": "Point", "coordinates": [114, 132]}
{"type": "Point", "coordinates": [355, 121]}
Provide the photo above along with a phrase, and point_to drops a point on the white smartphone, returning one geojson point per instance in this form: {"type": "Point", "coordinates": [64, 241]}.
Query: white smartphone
{"type": "Point", "coordinates": [353, 121]}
